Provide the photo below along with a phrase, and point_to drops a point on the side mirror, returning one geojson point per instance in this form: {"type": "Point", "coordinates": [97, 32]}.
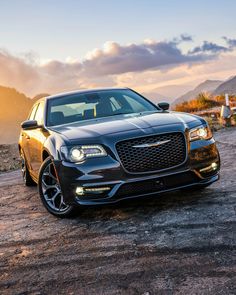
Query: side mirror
{"type": "Point", "coordinates": [163, 105]}
{"type": "Point", "coordinates": [29, 124]}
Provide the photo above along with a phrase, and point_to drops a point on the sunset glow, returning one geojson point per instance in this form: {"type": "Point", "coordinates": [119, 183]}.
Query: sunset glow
{"type": "Point", "coordinates": [70, 50]}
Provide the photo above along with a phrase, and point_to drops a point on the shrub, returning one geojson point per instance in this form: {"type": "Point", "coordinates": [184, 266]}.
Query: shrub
{"type": "Point", "coordinates": [202, 102]}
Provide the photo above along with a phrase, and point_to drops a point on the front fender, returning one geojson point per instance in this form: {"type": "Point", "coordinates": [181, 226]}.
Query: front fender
{"type": "Point", "coordinates": [52, 146]}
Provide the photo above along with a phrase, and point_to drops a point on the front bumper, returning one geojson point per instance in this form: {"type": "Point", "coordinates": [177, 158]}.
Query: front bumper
{"type": "Point", "coordinates": [200, 169]}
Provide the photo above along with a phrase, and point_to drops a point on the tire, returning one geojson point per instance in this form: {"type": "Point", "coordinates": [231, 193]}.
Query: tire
{"type": "Point", "coordinates": [28, 180]}
{"type": "Point", "coordinates": [50, 191]}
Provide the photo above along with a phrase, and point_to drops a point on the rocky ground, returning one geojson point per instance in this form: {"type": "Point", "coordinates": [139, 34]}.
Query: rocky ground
{"type": "Point", "coordinates": [178, 243]}
{"type": "Point", "coordinates": [9, 157]}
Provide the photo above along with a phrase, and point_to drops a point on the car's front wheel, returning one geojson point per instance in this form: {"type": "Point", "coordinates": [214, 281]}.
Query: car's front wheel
{"type": "Point", "coordinates": [50, 191]}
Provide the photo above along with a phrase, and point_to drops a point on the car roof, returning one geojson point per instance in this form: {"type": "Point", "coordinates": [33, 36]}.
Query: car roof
{"type": "Point", "coordinates": [82, 91]}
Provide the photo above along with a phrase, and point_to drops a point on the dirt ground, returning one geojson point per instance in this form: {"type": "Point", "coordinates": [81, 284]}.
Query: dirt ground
{"type": "Point", "coordinates": [177, 243]}
{"type": "Point", "coordinates": [9, 157]}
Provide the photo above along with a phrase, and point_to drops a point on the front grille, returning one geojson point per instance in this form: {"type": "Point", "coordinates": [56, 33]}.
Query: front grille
{"type": "Point", "coordinates": [147, 159]}
{"type": "Point", "coordinates": [154, 185]}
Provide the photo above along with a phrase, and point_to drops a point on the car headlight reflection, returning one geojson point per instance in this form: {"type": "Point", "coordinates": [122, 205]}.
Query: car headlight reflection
{"type": "Point", "coordinates": [79, 154]}
{"type": "Point", "coordinates": [201, 132]}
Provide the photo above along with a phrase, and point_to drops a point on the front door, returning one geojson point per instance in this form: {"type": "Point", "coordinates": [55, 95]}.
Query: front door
{"type": "Point", "coordinates": [36, 138]}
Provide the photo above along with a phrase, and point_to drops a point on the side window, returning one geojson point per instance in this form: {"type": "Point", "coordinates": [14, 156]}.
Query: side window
{"type": "Point", "coordinates": [32, 113]}
{"type": "Point", "coordinates": [39, 113]}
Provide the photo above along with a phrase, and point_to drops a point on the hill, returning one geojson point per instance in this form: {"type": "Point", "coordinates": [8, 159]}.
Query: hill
{"type": "Point", "coordinates": [228, 86]}
{"type": "Point", "coordinates": [206, 86]}
{"type": "Point", "coordinates": [14, 108]}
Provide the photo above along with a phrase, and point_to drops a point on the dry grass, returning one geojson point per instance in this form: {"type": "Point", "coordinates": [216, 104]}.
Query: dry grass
{"type": "Point", "coordinates": [203, 102]}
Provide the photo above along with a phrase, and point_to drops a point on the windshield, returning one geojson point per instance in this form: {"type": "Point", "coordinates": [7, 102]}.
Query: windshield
{"type": "Point", "coordinates": [93, 105]}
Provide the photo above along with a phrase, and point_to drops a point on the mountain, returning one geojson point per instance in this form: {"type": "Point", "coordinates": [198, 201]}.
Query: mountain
{"type": "Point", "coordinates": [229, 86]}
{"type": "Point", "coordinates": [167, 93]}
{"type": "Point", "coordinates": [207, 86]}
{"type": "Point", "coordinates": [14, 108]}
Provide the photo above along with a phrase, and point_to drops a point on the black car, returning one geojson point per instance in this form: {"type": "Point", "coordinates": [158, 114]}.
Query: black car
{"type": "Point", "coordinates": [100, 146]}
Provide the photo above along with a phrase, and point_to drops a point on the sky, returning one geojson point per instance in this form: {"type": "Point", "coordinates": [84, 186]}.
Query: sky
{"type": "Point", "coordinates": [151, 46]}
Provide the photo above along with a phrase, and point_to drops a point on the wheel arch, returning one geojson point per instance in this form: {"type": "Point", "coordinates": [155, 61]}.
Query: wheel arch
{"type": "Point", "coordinates": [45, 154]}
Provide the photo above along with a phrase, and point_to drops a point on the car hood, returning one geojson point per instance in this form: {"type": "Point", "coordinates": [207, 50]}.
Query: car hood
{"type": "Point", "coordinates": [123, 123]}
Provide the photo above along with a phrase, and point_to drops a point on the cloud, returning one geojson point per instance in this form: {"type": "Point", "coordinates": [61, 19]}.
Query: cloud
{"type": "Point", "coordinates": [16, 72]}
{"type": "Point", "coordinates": [213, 48]}
{"type": "Point", "coordinates": [231, 42]}
{"type": "Point", "coordinates": [113, 64]}
{"type": "Point", "coordinates": [117, 59]}
{"type": "Point", "coordinates": [183, 76]}
{"type": "Point", "coordinates": [209, 47]}
{"type": "Point", "coordinates": [186, 38]}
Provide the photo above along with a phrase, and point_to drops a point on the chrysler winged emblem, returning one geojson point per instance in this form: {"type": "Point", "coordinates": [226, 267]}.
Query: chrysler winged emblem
{"type": "Point", "coordinates": [157, 143]}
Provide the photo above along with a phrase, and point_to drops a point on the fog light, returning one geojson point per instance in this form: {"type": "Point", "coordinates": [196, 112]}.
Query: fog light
{"type": "Point", "coordinates": [210, 168]}
{"type": "Point", "coordinates": [79, 190]}
{"type": "Point", "coordinates": [97, 189]}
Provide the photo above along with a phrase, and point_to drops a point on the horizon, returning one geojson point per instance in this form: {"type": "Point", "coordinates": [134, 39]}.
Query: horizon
{"type": "Point", "coordinates": [163, 48]}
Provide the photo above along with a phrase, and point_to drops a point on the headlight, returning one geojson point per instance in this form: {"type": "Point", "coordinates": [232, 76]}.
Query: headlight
{"type": "Point", "coordinates": [80, 153]}
{"type": "Point", "coordinates": [201, 132]}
